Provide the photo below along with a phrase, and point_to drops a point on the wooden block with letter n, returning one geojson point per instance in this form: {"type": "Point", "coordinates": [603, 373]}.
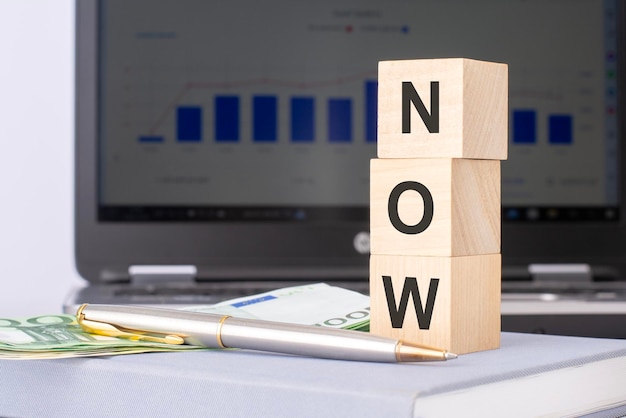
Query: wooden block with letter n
{"type": "Point", "coordinates": [451, 303]}
{"type": "Point", "coordinates": [454, 107]}
{"type": "Point", "coordinates": [436, 207]}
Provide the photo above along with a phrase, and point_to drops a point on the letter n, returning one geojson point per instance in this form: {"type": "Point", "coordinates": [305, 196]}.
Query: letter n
{"type": "Point", "coordinates": [397, 312]}
{"type": "Point", "coordinates": [410, 96]}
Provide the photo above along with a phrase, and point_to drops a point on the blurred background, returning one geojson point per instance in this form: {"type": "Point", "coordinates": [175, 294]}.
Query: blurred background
{"type": "Point", "coordinates": [36, 156]}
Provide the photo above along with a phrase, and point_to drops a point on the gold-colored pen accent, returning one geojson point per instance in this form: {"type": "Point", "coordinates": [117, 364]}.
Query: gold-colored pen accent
{"type": "Point", "coordinates": [218, 333]}
{"type": "Point", "coordinates": [110, 330]}
{"type": "Point", "coordinates": [407, 352]}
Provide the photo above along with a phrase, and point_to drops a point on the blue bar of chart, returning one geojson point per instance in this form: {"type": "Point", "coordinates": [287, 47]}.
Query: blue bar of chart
{"type": "Point", "coordinates": [524, 127]}
{"type": "Point", "coordinates": [371, 110]}
{"type": "Point", "coordinates": [339, 120]}
{"type": "Point", "coordinates": [227, 118]}
{"type": "Point", "coordinates": [189, 123]}
{"type": "Point", "coordinates": [302, 119]}
{"type": "Point", "coordinates": [264, 118]}
{"type": "Point", "coordinates": [560, 129]}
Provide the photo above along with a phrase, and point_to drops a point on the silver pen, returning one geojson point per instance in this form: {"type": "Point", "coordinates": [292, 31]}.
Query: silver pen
{"type": "Point", "coordinates": [223, 331]}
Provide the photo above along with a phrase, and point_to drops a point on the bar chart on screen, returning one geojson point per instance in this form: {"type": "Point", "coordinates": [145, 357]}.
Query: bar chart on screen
{"type": "Point", "coordinates": [288, 111]}
{"type": "Point", "coordinates": [278, 123]}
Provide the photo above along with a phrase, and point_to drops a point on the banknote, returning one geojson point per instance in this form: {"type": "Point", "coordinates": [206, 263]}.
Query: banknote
{"type": "Point", "coordinates": [56, 336]}
{"type": "Point", "coordinates": [311, 304]}
{"type": "Point", "coordinates": [60, 336]}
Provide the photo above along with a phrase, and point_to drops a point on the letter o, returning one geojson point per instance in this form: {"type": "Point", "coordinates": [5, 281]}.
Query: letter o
{"type": "Point", "coordinates": [50, 320]}
{"type": "Point", "coordinates": [335, 322]}
{"type": "Point", "coordinates": [9, 323]}
{"type": "Point", "coordinates": [357, 315]}
{"type": "Point", "coordinates": [394, 217]}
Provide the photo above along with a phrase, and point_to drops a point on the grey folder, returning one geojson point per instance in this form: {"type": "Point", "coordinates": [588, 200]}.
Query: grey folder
{"type": "Point", "coordinates": [529, 375]}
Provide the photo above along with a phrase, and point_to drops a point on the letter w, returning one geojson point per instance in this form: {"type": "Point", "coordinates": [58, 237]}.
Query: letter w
{"type": "Point", "coordinates": [409, 95]}
{"type": "Point", "coordinates": [397, 312]}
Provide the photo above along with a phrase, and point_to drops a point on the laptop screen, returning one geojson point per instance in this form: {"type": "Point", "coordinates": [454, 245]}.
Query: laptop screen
{"type": "Point", "coordinates": [248, 111]}
{"type": "Point", "coordinates": [237, 135]}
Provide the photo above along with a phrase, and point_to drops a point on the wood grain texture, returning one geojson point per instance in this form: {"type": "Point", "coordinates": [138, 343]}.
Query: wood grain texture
{"type": "Point", "coordinates": [466, 309]}
{"type": "Point", "coordinates": [466, 207]}
{"type": "Point", "coordinates": [473, 109]}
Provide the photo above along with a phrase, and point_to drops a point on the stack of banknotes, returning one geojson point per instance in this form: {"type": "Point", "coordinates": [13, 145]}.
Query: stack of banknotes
{"type": "Point", "coordinates": [59, 336]}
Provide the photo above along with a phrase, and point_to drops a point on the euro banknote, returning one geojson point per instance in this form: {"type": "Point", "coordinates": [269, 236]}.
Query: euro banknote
{"type": "Point", "coordinates": [60, 336]}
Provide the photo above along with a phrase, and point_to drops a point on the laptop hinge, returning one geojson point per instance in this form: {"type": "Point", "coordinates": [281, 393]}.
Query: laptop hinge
{"type": "Point", "coordinates": [561, 272]}
{"type": "Point", "coordinates": [142, 275]}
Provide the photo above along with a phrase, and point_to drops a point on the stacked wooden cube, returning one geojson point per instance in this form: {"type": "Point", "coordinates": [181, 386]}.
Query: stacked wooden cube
{"type": "Point", "coordinates": [435, 266]}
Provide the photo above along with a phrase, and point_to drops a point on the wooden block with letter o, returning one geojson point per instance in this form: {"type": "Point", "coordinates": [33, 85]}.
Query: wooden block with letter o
{"type": "Point", "coordinates": [452, 303]}
{"type": "Point", "coordinates": [434, 207]}
{"type": "Point", "coordinates": [455, 107]}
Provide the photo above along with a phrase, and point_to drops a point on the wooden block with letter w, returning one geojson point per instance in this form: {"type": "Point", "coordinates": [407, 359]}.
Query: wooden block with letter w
{"type": "Point", "coordinates": [435, 268]}
{"type": "Point", "coordinates": [445, 302]}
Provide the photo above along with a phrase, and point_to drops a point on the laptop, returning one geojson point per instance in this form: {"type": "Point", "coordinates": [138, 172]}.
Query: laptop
{"type": "Point", "coordinates": [222, 148]}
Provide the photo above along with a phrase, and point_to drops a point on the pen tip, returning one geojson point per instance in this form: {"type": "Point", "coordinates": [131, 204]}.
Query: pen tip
{"type": "Point", "coordinates": [406, 351]}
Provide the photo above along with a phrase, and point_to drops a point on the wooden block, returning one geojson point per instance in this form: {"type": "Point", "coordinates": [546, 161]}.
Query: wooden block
{"type": "Point", "coordinates": [465, 199]}
{"type": "Point", "coordinates": [469, 121]}
{"type": "Point", "coordinates": [458, 308]}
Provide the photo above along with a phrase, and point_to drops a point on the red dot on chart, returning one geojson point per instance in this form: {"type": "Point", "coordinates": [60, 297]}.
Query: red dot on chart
{"type": "Point", "coordinates": [349, 28]}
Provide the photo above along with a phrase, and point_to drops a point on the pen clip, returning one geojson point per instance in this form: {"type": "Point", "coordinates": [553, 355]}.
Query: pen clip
{"type": "Point", "coordinates": [112, 330]}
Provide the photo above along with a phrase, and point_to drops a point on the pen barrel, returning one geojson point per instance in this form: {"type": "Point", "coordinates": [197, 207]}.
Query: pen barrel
{"type": "Point", "coordinates": [222, 331]}
{"type": "Point", "coordinates": [195, 328]}
{"type": "Point", "coordinates": [305, 340]}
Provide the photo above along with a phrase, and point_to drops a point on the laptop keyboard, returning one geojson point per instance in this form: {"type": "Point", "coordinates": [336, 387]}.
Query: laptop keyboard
{"type": "Point", "coordinates": [209, 293]}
